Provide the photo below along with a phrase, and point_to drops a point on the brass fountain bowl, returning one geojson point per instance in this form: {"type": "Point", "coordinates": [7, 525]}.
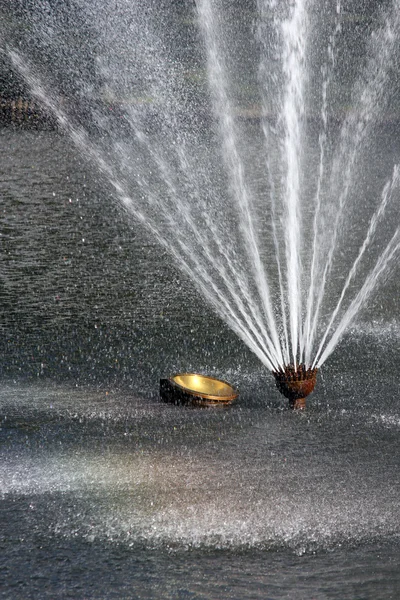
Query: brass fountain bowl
{"type": "Point", "coordinates": [197, 390]}
{"type": "Point", "coordinates": [296, 384]}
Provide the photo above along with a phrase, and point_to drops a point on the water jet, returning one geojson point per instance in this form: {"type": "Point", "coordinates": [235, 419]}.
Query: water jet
{"type": "Point", "coordinates": [258, 216]}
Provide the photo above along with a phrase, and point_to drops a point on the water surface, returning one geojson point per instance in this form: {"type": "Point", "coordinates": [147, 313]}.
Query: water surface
{"type": "Point", "coordinates": [107, 493]}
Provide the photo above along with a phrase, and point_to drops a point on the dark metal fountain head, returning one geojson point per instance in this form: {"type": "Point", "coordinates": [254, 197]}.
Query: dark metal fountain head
{"type": "Point", "coordinates": [296, 383]}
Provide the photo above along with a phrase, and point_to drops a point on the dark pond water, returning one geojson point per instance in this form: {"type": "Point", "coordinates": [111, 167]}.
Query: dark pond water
{"type": "Point", "coordinates": [107, 493]}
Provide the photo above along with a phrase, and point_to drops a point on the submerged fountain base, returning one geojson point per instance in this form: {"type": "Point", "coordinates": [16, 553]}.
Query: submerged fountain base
{"type": "Point", "coordinates": [296, 383]}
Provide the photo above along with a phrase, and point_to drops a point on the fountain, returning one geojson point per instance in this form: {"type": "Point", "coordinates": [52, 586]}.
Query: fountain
{"type": "Point", "coordinates": [267, 248]}
{"type": "Point", "coordinates": [255, 142]}
{"type": "Point", "coordinates": [296, 383]}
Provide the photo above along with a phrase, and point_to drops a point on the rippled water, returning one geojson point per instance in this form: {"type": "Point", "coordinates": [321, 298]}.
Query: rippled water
{"type": "Point", "coordinates": [107, 493]}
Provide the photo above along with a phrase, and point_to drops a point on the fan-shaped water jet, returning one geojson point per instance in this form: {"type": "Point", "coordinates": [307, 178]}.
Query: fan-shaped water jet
{"type": "Point", "coordinates": [256, 219]}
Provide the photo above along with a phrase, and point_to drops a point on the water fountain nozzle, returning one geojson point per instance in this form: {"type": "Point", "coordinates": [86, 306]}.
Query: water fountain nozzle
{"type": "Point", "coordinates": [296, 383]}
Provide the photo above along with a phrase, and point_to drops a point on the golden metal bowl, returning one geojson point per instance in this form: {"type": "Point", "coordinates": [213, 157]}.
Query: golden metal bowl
{"type": "Point", "coordinates": [197, 390]}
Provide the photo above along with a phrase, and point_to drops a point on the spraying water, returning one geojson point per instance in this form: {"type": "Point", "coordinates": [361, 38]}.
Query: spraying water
{"type": "Point", "coordinates": [177, 158]}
